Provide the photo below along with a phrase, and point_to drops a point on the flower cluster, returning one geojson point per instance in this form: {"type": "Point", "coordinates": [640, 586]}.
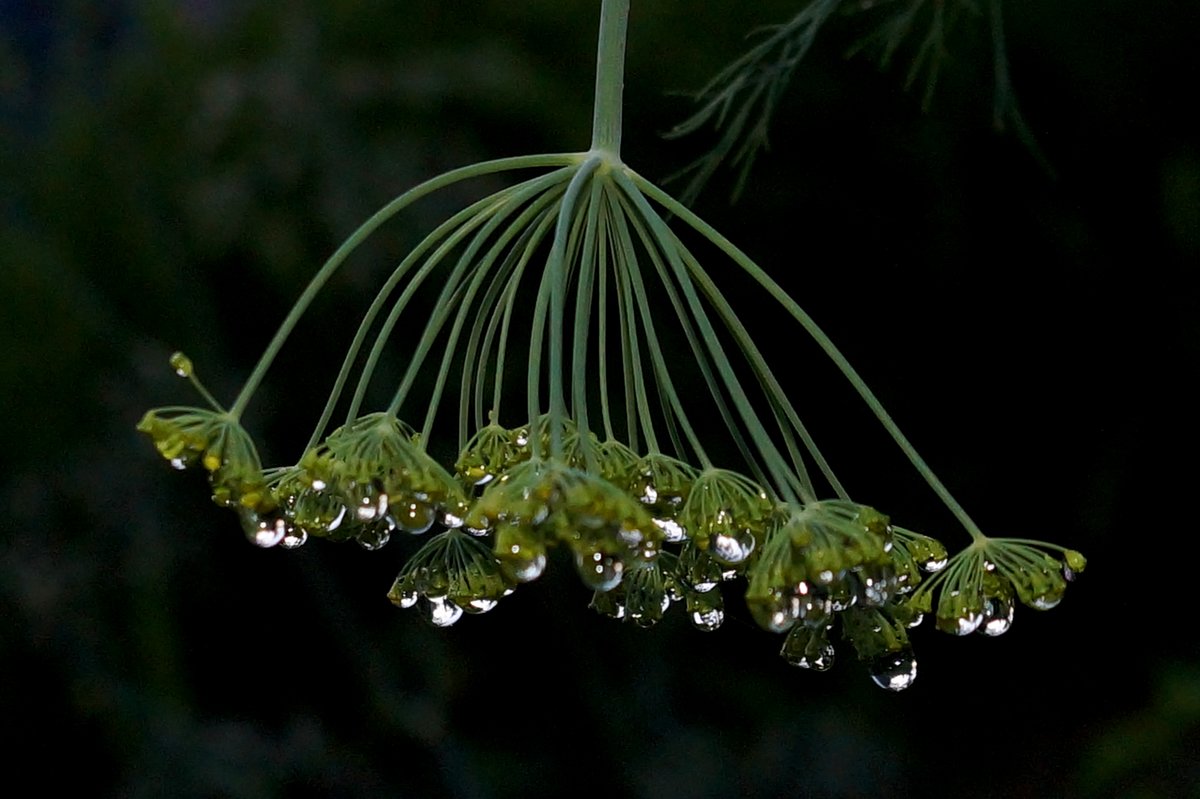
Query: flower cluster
{"type": "Point", "coordinates": [621, 482]}
{"type": "Point", "coordinates": [643, 531]}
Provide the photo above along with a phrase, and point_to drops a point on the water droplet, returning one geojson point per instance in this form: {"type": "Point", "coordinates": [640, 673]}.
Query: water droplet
{"type": "Point", "coordinates": [894, 671]}
{"type": "Point", "coordinates": [649, 494]}
{"type": "Point", "coordinates": [403, 599]}
{"type": "Point", "coordinates": [934, 564]}
{"type": "Point", "coordinates": [708, 620]}
{"type": "Point", "coordinates": [775, 611]}
{"type": "Point", "coordinates": [270, 533]}
{"type": "Point", "coordinates": [264, 533]}
{"type": "Point", "coordinates": [375, 536]}
{"type": "Point", "coordinates": [179, 463]}
{"type": "Point", "coordinates": [598, 571]}
{"type": "Point", "coordinates": [672, 530]}
{"type": "Point", "coordinates": [916, 620]}
{"type": "Point", "coordinates": [525, 566]}
{"type": "Point", "coordinates": [414, 517]}
{"type": "Point", "coordinates": [295, 537]}
{"type": "Point", "coordinates": [998, 616]}
{"type": "Point", "coordinates": [452, 522]}
{"type": "Point", "coordinates": [732, 549]}
{"type": "Point", "coordinates": [370, 507]}
{"type": "Point", "coordinates": [480, 605]}
{"type": "Point", "coordinates": [965, 624]}
{"type": "Point", "coordinates": [337, 520]}
{"type": "Point", "coordinates": [441, 611]}
{"type": "Point", "coordinates": [1046, 601]}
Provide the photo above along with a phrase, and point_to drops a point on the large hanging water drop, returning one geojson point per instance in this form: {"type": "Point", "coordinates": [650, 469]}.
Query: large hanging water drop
{"type": "Point", "coordinates": [525, 565]}
{"type": "Point", "coordinates": [708, 619]}
{"type": "Point", "coordinates": [598, 571]}
{"type": "Point", "coordinates": [295, 537]}
{"type": "Point", "coordinates": [997, 616]}
{"type": "Point", "coordinates": [731, 548]}
{"type": "Point", "coordinates": [894, 671]}
{"type": "Point", "coordinates": [673, 532]}
{"type": "Point", "coordinates": [375, 535]}
{"type": "Point", "coordinates": [261, 532]}
{"type": "Point", "coordinates": [480, 605]}
{"type": "Point", "coordinates": [414, 517]}
{"type": "Point", "coordinates": [440, 611]}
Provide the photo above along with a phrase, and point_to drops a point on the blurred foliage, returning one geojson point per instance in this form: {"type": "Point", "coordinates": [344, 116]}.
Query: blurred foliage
{"type": "Point", "coordinates": [173, 172]}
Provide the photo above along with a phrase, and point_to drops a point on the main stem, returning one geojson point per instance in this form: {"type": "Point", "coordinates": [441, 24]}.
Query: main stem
{"type": "Point", "coordinates": [610, 77]}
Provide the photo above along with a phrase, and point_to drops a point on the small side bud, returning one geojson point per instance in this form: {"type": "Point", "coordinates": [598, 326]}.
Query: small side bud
{"type": "Point", "coordinates": [1076, 562]}
{"type": "Point", "coordinates": [182, 364]}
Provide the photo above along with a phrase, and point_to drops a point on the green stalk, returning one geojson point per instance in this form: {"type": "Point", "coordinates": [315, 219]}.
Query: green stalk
{"type": "Point", "coordinates": [366, 229]}
{"type": "Point", "coordinates": [610, 78]}
{"type": "Point", "coordinates": [772, 459]}
{"type": "Point", "coordinates": [775, 290]}
{"type": "Point", "coordinates": [557, 267]}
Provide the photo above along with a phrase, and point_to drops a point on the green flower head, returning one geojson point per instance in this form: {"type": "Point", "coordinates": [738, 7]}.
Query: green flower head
{"type": "Point", "coordinates": [540, 503]}
{"type": "Point", "coordinates": [452, 574]}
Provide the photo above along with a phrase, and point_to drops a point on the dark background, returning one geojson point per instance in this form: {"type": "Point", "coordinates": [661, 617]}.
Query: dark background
{"type": "Point", "coordinates": [171, 173]}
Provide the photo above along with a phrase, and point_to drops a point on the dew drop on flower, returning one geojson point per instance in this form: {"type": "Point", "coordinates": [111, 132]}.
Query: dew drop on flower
{"type": "Point", "coordinates": [1046, 601]}
{"type": "Point", "coordinates": [672, 530]}
{"type": "Point", "coordinates": [441, 611]}
{"type": "Point", "coordinates": [374, 536]}
{"type": "Point", "coordinates": [414, 517]}
{"type": "Point", "coordinates": [406, 599]}
{"type": "Point", "coordinates": [451, 522]}
{"type": "Point", "coordinates": [598, 571]}
{"type": "Point", "coordinates": [934, 565]}
{"type": "Point", "coordinates": [965, 624]}
{"type": "Point", "coordinates": [894, 671]}
{"type": "Point", "coordinates": [998, 616]}
{"type": "Point", "coordinates": [525, 569]}
{"type": "Point", "coordinates": [337, 520]}
{"type": "Point", "coordinates": [480, 605]}
{"type": "Point", "coordinates": [732, 549]}
{"type": "Point", "coordinates": [179, 463]}
{"type": "Point", "coordinates": [295, 537]}
{"type": "Point", "coordinates": [265, 533]}
{"type": "Point", "coordinates": [708, 620]}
